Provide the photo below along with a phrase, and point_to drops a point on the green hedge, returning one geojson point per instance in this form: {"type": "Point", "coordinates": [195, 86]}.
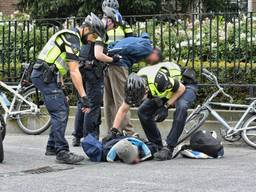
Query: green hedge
{"type": "Point", "coordinates": [175, 44]}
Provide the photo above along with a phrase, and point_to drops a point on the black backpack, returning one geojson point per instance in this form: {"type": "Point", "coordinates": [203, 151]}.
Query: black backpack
{"type": "Point", "coordinates": [204, 141]}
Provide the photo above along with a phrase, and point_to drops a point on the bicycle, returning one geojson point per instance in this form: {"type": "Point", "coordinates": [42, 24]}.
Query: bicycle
{"type": "Point", "coordinates": [245, 127]}
{"type": "Point", "coordinates": [26, 107]}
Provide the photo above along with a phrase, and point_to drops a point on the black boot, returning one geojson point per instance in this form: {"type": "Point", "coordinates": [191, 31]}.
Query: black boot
{"type": "Point", "coordinates": [75, 142]}
{"type": "Point", "coordinates": [68, 158]}
{"type": "Point", "coordinates": [50, 152]}
{"type": "Point", "coordinates": [164, 154]}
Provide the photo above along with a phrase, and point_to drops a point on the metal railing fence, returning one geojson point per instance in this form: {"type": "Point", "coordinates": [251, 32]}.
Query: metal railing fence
{"type": "Point", "coordinates": [222, 42]}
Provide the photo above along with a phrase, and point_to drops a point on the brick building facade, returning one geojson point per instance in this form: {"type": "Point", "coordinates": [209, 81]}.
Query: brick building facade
{"type": "Point", "coordinates": [7, 7]}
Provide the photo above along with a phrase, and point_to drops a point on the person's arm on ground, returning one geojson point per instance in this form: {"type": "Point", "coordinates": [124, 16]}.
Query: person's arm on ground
{"type": "Point", "coordinates": [122, 111]}
{"type": "Point", "coordinates": [177, 94]}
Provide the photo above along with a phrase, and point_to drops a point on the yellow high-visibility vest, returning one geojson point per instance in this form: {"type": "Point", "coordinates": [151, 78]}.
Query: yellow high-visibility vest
{"type": "Point", "coordinates": [150, 72]}
{"type": "Point", "coordinates": [53, 54]}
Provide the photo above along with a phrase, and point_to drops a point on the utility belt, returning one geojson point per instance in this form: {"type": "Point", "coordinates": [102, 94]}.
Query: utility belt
{"type": "Point", "coordinates": [49, 70]}
{"type": "Point", "coordinates": [98, 68]}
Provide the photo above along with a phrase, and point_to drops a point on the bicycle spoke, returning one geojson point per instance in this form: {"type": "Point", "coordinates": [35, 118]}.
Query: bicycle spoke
{"type": "Point", "coordinates": [251, 127]}
{"type": "Point", "coordinates": [193, 123]}
{"type": "Point", "coordinates": [34, 122]}
{"type": "Point", "coordinates": [251, 133]}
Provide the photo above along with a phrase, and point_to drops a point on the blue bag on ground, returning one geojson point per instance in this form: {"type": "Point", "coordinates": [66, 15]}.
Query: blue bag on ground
{"type": "Point", "coordinates": [92, 147]}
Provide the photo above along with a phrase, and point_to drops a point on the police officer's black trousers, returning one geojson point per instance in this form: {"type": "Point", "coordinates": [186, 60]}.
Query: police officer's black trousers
{"type": "Point", "coordinates": [148, 108]}
{"type": "Point", "coordinates": [86, 123]}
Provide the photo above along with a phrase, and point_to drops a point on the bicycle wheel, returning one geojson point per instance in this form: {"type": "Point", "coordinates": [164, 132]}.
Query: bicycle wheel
{"type": "Point", "coordinates": [193, 123]}
{"type": "Point", "coordinates": [249, 134]}
{"type": "Point", "coordinates": [33, 123]}
{"type": "Point", "coordinates": [2, 127]}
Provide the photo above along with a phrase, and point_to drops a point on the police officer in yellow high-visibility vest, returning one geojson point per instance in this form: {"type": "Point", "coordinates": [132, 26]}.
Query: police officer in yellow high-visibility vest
{"type": "Point", "coordinates": [121, 31]}
{"type": "Point", "coordinates": [155, 89]}
{"type": "Point", "coordinates": [60, 55]}
{"type": "Point", "coordinates": [111, 90]}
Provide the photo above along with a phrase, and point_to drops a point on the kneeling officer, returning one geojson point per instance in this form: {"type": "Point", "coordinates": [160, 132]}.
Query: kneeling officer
{"type": "Point", "coordinates": [160, 87]}
{"type": "Point", "coordinates": [60, 54]}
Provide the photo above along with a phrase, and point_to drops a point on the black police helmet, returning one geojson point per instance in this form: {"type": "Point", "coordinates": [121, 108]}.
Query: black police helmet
{"type": "Point", "coordinates": [96, 25]}
{"type": "Point", "coordinates": [135, 89]}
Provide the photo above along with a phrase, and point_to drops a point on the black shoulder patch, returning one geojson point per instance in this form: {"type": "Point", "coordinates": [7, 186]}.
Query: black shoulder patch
{"type": "Point", "coordinates": [71, 38]}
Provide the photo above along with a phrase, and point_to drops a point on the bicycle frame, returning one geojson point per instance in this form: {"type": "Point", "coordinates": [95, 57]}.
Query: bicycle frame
{"type": "Point", "coordinates": [10, 111]}
{"type": "Point", "coordinates": [209, 103]}
{"type": "Point", "coordinates": [238, 127]}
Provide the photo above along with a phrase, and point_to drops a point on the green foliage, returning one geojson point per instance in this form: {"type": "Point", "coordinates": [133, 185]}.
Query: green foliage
{"type": "Point", "coordinates": [21, 42]}
{"type": "Point", "coordinates": [50, 9]}
{"type": "Point", "coordinates": [177, 45]}
{"type": "Point", "coordinates": [66, 8]}
{"type": "Point", "coordinates": [139, 7]}
{"type": "Point", "coordinates": [224, 42]}
{"type": "Point", "coordinates": [216, 5]}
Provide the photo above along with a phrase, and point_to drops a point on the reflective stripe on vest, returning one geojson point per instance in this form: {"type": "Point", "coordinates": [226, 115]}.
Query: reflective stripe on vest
{"type": "Point", "coordinates": [61, 64]}
{"type": "Point", "coordinates": [52, 54]}
{"type": "Point", "coordinates": [150, 73]}
{"type": "Point", "coordinates": [115, 35]}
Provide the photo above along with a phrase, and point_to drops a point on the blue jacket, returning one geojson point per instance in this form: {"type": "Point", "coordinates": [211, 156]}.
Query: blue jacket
{"type": "Point", "coordinates": [132, 49]}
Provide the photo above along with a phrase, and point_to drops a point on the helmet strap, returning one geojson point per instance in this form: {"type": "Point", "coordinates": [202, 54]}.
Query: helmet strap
{"type": "Point", "coordinates": [84, 37]}
{"type": "Point", "coordinates": [106, 26]}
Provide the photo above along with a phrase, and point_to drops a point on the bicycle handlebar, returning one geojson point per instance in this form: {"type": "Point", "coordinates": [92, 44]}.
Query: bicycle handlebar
{"type": "Point", "coordinates": [210, 76]}
{"type": "Point", "coordinates": [25, 65]}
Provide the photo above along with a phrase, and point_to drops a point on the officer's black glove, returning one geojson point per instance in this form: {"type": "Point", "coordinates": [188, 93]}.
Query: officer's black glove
{"type": "Point", "coordinates": [116, 58]}
{"type": "Point", "coordinates": [114, 133]}
{"type": "Point", "coordinates": [161, 114]}
{"type": "Point", "coordinates": [85, 102]}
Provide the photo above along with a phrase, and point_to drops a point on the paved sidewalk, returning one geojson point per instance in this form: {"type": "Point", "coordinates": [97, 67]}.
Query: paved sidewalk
{"type": "Point", "coordinates": [235, 172]}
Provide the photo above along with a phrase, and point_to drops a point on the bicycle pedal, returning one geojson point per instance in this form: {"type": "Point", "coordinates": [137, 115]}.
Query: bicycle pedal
{"type": "Point", "coordinates": [223, 132]}
{"type": "Point", "coordinates": [232, 138]}
{"type": "Point", "coordinates": [12, 117]}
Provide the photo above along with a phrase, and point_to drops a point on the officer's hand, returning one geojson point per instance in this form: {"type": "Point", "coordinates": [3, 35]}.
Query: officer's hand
{"type": "Point", "coordinates": [86, 107]}
{"type": "Point", "coordinates": [114, 133]}
{"type": "Point", "coordinates": [161, 114]}
{"type": "Point", "coordinates": [116, 58]}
